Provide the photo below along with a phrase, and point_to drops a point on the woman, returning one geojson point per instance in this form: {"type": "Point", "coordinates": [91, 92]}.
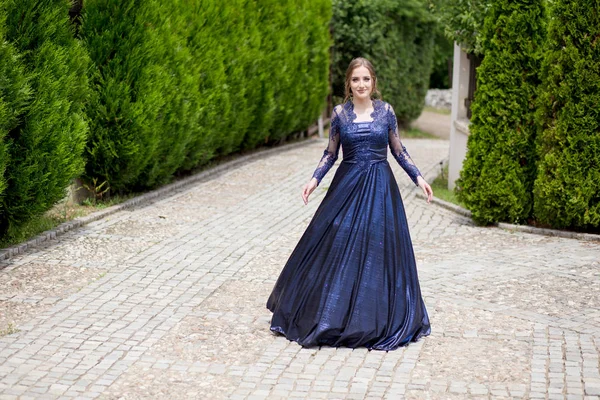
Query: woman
{"type": "Point", "coordinates": [352, 279]}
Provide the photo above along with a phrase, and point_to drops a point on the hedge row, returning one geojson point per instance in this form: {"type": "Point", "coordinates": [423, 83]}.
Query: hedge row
{"type": "Point", "coordinates": [398, 38]}
{"type": "Point", "coordinates": [534, 149]}
{"type": "Point", "coordinates": [193, 82]}
{"type": "Point", "coordinates": [567, 188]}
{"type": "Point", "coordinates": [496, 181]}
{"type": "Point", "coordinates": [43, 87]}
{"type": "Point", "coordinates": [148, 89]}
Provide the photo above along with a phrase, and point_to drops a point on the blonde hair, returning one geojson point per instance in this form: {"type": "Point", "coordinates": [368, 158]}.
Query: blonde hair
{"type": "Point", "coordinates": [355, 63]}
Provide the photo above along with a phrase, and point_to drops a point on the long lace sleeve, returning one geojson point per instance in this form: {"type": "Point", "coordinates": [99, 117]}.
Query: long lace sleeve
{"type": "Point", "coordinates": [330, 155]}
{"type": "Point", "coordinates": [397, 148]}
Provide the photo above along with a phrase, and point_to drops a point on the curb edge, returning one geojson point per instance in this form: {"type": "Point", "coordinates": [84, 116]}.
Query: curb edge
{"type": "Point", "coordinates": [516, 228]}
{"type": "Point", "coordinates": [153, 195]}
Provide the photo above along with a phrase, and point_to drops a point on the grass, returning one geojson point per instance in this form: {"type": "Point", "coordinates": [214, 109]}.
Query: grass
{"type": "Point", "coordinates": [414, 133]}
{"type": "Point", "coordinates": [441, 191]}
{"type": "Point", "coordinates": [60, 213]}
{"type": "Point", "coordinates": [437, 110]}
{"type": "Point", "coordinates": [29, 230]}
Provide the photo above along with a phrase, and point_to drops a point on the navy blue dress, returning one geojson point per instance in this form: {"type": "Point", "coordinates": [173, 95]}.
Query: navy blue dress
{"type": "Point", "coordinates": [352, 278]}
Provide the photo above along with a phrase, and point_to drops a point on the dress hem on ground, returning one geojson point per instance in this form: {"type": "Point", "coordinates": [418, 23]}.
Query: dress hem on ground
{"type": "Point", "coordinates": [415, 338]}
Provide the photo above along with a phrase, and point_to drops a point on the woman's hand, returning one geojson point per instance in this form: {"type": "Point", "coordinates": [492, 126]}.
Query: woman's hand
{"type": "Point", "coordinates": [308, 189]}
{"type": "Point", "coordinates": [426, 188]}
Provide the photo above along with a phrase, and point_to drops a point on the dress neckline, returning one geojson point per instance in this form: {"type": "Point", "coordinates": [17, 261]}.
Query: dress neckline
{"type": "Point", "coordinates": [353, 116]}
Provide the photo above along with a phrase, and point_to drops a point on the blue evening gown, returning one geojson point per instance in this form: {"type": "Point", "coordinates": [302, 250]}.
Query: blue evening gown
{"type": "Point", "coordinates": [352, 278]}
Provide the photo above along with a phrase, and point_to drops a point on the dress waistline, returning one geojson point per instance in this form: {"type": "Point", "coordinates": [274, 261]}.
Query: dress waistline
{"type": "Point", "coordinates": [362, 162]}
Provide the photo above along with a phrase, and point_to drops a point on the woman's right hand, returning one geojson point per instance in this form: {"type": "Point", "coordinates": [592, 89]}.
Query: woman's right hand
{"type": "Point", "coordinates": [308, 189]}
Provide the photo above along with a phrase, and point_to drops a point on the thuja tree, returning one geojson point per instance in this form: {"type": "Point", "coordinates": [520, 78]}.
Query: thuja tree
{"type": "Point", "coordinates": [496, 181]}
{"type": "Point", "coordinates": [14, 96]}
{"type": "Point", "coordinates": [263, 68]}
{"type": "Point", "coordinates": [178, 83]}
{"type": "Point", "coordinates": [220, 41]}
{"type": "Point", "coordinates": [300, 79]}
{"type": "Point", "coordinates": [398, 37]}
{"type": "Point", "coordinates": [567, 188]}
{"type": "Point", "coordinates": [44, 123]}
{"type": "Point", "coordinates": [178, 74]}
{"type": "Point", "coordinates": [143, 100]}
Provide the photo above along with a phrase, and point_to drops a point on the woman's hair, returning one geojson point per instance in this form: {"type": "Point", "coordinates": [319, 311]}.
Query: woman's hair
{"type": "Point", "coordinates": [355, 63]}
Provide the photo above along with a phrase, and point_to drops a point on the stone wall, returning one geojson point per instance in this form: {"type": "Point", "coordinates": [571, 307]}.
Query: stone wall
{"type": "Point", "coordinates": [439, 98]}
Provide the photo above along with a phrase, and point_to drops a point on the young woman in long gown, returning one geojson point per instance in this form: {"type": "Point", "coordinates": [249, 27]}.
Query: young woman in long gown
{"type": "Point", "coordinates": [352, 278]}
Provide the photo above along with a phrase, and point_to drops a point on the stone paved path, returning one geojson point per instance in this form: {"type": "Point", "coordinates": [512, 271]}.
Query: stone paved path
{"type": "Point", "coordinates": [168, 301]}
{"type": "Point", "coordinates": [435, 123]}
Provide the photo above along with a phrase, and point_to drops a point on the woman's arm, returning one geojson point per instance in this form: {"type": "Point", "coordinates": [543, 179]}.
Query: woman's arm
{"type": "Point", "coordinates": [402, 157]}
{"type": "Point", "coordinates": [330, 155]}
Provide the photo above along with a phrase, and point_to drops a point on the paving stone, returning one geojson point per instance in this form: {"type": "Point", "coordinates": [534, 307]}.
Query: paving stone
{"type": "Point", "coordinates": [168, 301]}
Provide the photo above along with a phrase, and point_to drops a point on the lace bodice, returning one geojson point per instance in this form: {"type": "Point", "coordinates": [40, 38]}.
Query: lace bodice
{"type": "Point", "coordinates": [365, 142]}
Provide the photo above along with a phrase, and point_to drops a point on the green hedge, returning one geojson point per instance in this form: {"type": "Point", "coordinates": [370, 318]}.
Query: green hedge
{"type": "Point", "coordinates": [197, 79]}
{"type": "Point", "coordinates": [44, 85]}
{"type": "Point", "coordinates": [567, 188]}
{"type": "Point", "coordinates": [398, 38]}
{"type": "Point", "coordinates": [172, 85]}
{"type": "Point", "coordinates": [14, 95]}
{"type": "Point", "coordinates": [143, 102]}
{"type": "Point", "coordinates": [496, 181]}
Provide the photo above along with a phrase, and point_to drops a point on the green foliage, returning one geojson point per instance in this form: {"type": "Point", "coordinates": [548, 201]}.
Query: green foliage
{"type": "Point", "coordinates": [265, 67]}
{"type": "Point", "coordinates": [567, 188]}
{"type": "Point", "coordinates": [496, 181]}
{"type": "Point", "coordinates": [463, 21]}
{"type": "Point", "coordinates": [196, 79]}
{"type": "Point", "coordinates": [139, 110]}
{"type": "Point", "coordinates": [43, 87]}
{"type": "Point", "coordinates": [15, 93]}
{"type": "Point", "coordinates": [443, 52]}
{"type": "Point", "coordinates": [440, 188]}
{"type": "Point", "coordinates": [398, 38]}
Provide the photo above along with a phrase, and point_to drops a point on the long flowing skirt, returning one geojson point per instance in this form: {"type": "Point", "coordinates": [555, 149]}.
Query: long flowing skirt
{"type": "Point", "coordinates": [352, 278]}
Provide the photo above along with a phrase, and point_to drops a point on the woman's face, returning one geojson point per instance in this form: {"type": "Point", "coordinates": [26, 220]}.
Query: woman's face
{"type": "Point", "coordinates": [361, 83]}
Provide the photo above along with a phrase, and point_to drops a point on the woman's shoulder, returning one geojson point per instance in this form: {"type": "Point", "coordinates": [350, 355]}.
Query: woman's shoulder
{"type": "Point", "coordinates": [342, 106]}
{"type": "Point", "coordinates": [380, 103]}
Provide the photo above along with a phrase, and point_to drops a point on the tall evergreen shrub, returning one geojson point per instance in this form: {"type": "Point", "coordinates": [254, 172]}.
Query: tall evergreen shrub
{"type": "Point", "coordinates": [180, 91]}
{"type": "Point", "coordinates": [14, 96]}
{"type": "Point", "coordinates": [45, 129]}
{"type": "Point", "coordinates": [496, 181]}
{"type": "Point", "coordinates": [218, 41]}
{"type": "Point", "coordinates": [567, 188]}
{"type": "Point", "coordinates": [181, 82]}
{"type": "Point", "coordinates": [398, 38]}
{"type": "Point", "coordinates": [266, 70]}
{"type": "Point", "coordinates": [144, 94]}
{"type": "Point", "coordinates": [300, 77]}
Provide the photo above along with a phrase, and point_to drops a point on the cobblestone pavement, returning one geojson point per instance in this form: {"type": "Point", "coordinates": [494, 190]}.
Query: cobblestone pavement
{"type": "Point", "coordinates": [168, 301]}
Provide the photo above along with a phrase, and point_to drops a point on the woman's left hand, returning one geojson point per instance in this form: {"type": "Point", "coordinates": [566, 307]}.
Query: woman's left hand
{"type": "Point", "coordinates": [426, 188]}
